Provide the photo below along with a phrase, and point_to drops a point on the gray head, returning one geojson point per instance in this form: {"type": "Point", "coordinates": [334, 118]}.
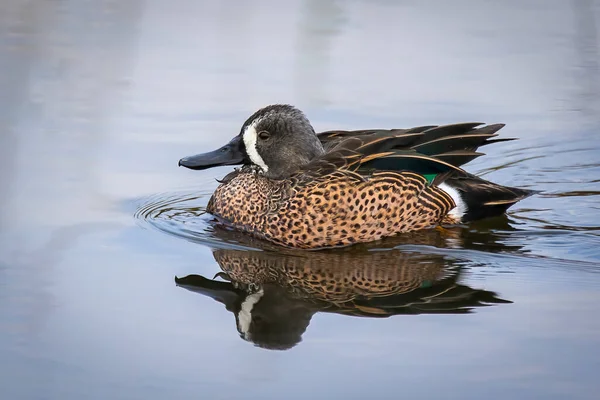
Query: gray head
{"type": "Point", "coordinates": [278, 139]}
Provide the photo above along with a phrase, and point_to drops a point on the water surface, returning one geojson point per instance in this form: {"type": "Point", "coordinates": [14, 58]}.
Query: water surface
{"type": "Point", "coordinates": [99, 101]}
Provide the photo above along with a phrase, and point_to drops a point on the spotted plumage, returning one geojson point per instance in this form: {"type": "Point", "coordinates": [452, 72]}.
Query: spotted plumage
{"type": "Point", "coordinates": [273, 295]}
{"type": "Point", "coordinates": [305, 190]}
{"type": "Point", "coordinates": [330, 277]}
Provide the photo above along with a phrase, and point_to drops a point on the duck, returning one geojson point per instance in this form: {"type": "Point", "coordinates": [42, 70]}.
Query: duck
{"type": "Point", "coordinates": [274, 295]}
{"type": "Point", "coordinates": [300, 189]}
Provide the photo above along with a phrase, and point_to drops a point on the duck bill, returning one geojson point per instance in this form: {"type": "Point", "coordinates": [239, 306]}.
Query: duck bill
{"type": "Point", "coordinates": [231, 154]}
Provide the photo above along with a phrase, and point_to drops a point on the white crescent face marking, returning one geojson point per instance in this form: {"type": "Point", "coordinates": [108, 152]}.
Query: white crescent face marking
{"type": "Point", "coordinates": [250, 137]}
{"type": "Point", "coordinates": [245, 314]}
{"type": "Point", "coordinates": [461, 207]}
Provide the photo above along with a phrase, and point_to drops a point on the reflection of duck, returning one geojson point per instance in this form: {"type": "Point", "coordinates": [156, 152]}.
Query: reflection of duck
{"type": "Point", "coordinates": [274, 295]}
{"type": "Point", "coordinates": [303, 190]}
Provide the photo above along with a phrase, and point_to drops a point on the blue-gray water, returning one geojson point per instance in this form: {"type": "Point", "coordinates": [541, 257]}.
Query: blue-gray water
{"type": "Point", "coordinates": [100, 99]}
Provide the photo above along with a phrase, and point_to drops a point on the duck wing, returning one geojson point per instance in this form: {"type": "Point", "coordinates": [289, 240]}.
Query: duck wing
{"type": "Point", "coordinates": [431, 151]}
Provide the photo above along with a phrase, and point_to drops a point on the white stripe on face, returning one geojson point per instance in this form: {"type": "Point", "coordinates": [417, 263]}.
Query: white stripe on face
{"type": "Point", "coordinates": [250, 137]}
{"type": "Point", "coordinates": [245, 314]}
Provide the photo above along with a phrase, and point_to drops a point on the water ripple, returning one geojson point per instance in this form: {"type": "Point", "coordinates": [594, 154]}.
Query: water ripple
{"type": "Point", "coordinates": [525, 238]}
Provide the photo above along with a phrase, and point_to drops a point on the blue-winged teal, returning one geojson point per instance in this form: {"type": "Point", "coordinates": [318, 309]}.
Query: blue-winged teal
{"type": "Point", "coordinates": [274, 295]}
{"type": "Point", "coordinates": [305, 190]}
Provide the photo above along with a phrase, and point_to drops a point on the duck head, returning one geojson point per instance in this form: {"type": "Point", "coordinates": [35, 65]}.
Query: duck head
{"type": "Point", "coordinates": [277, 139]}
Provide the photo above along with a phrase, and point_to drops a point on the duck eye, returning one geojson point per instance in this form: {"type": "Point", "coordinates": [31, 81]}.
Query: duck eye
{"type": "Point", "coordinates": [264, 135]}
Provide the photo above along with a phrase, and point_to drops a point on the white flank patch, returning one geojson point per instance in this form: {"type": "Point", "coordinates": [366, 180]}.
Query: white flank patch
{"type": "Point", "coordinates": [461, 207]}
{"type": "Point", "coordinates": [250, 137]}
{"type": "Point", "coordinates": [245, 314]}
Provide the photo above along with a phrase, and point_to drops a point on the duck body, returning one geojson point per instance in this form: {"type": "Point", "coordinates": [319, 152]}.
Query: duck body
{"type": "Point", "coordinates": [274, 295]}
{"type": "Point", "coordinates": [305, 190]}
{"type": "Point", "coordinates": [339, 209]}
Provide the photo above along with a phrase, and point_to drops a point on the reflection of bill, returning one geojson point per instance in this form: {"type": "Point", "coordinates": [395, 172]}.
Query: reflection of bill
{"type": "Point", "coordinates": [274, 296]}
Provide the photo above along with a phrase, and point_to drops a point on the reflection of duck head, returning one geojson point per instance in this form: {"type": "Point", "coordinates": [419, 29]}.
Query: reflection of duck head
{"type": "Point", "coordinates": [274, 295]}
{"type": "Point", "coordinates": [264, 315]}
{"type": "Point", "coordinates": [271, 319]}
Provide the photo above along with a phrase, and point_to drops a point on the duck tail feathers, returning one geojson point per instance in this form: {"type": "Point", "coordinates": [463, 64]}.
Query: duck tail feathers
{"type": "Point", "coordinates": [476, 198]}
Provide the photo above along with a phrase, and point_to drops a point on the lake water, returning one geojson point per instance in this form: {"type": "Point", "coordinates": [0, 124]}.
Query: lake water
{"type": "Point", "coordinates": [100, 100]}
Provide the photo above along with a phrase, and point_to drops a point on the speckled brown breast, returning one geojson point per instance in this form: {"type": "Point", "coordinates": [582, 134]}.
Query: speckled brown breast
{"type": "Point", "coordinates": [339, 209]}
{"type": "Point", "coordinates": [333, 277]}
